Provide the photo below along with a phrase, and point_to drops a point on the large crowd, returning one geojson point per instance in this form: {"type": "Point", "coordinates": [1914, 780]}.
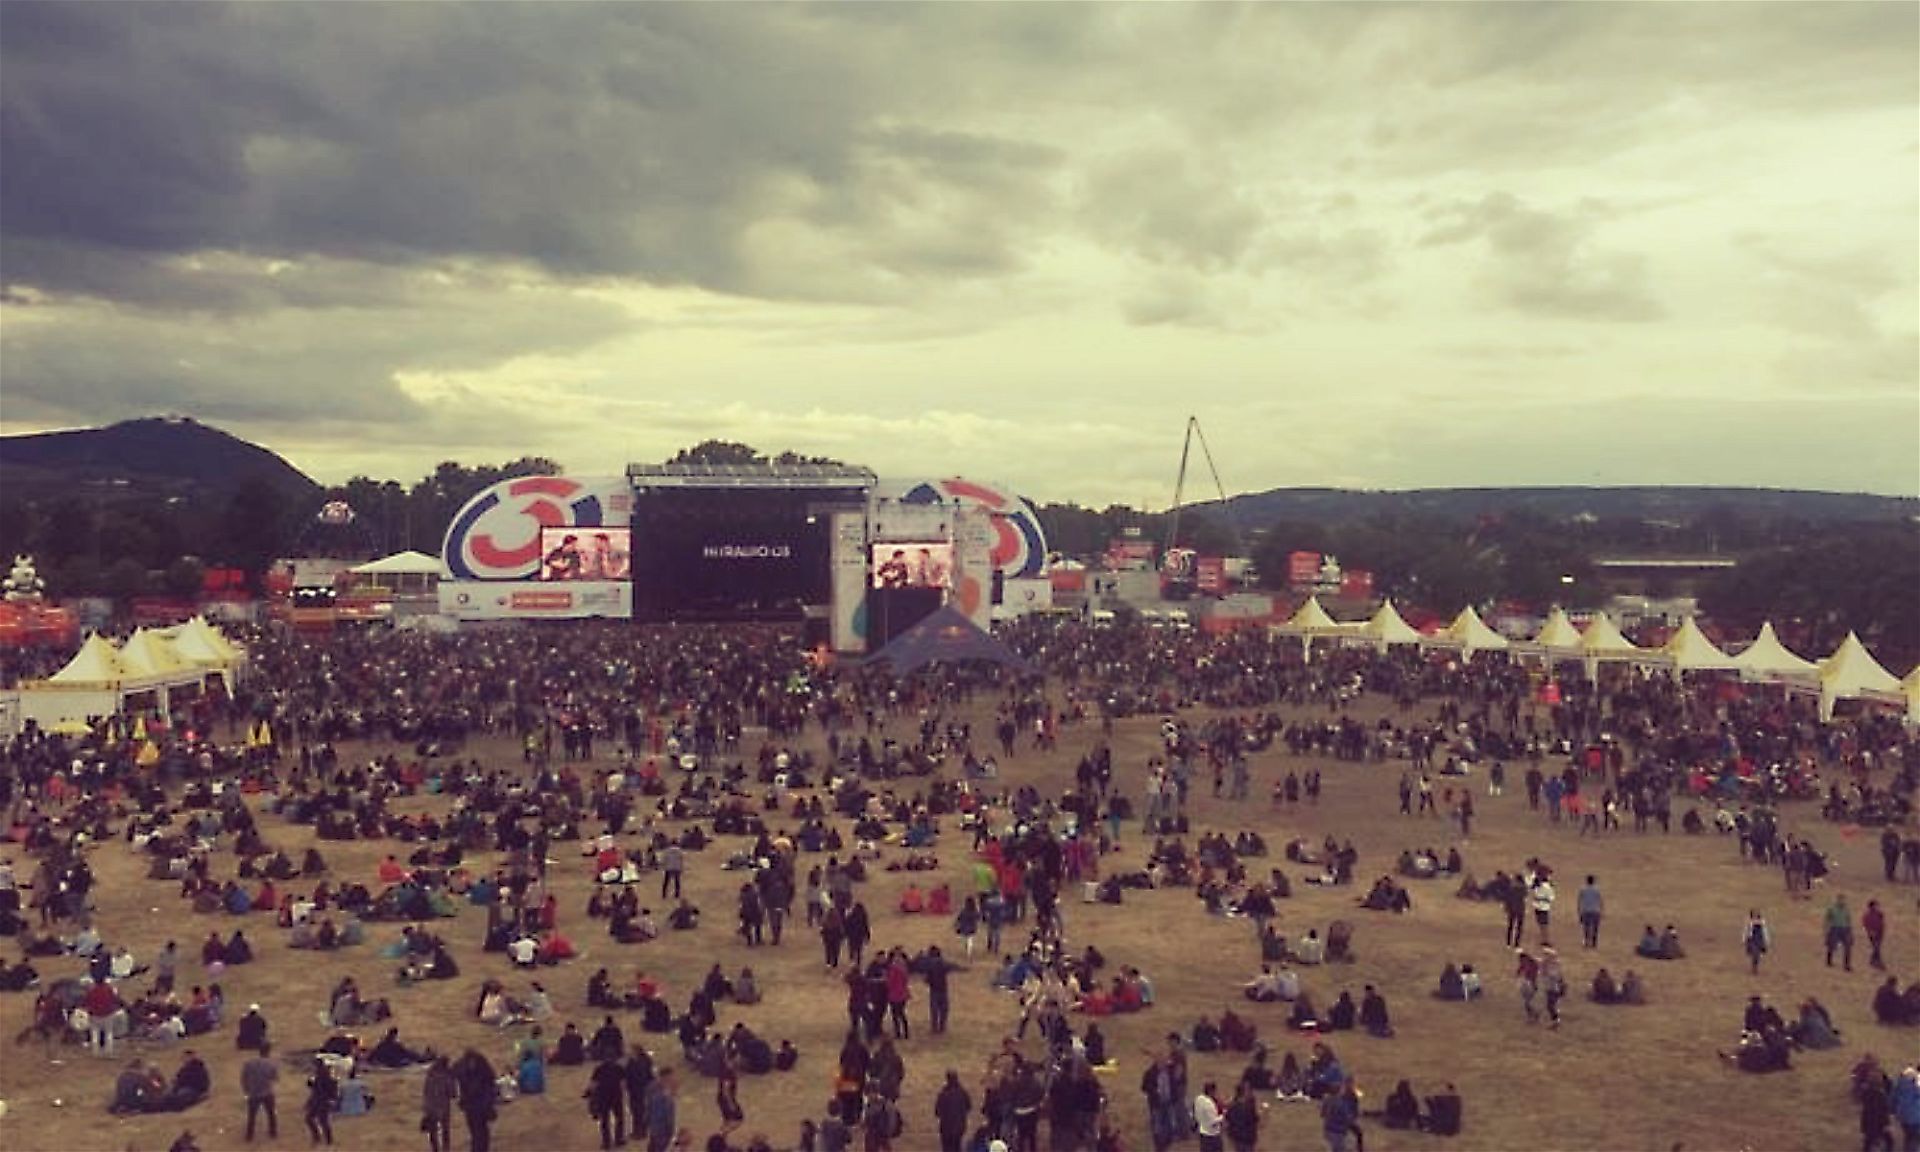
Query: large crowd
{"type": "Point", "coordinates": [639, 755]}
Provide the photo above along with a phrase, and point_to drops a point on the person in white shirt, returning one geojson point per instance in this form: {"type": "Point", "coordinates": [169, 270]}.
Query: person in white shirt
{"type": "Point", "coordinates": [1542, 897]}
{"type": "Point", "coordinates": [1207, 1119]}
{"type": "Point", "coordinates": [523, 951]}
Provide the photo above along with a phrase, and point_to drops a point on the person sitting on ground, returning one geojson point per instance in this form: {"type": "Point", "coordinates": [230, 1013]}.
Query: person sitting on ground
{"type": "Point", "coordinates": [1373, 1014]}
{"type": "Point", "coordinates": [1632, 990]}
{"type": "Point", "coordinates": [1670, 947]}
{"type": "Point", "coordinates": [1264, 988]}
{"type": "Point", "coordinates": [1605, 991]}
{"type": "Point", "coordinates": [684, 917]}
{"type": "Point", "coordinates": [1470, 981]}
{"type": "Point", "coordinates": [1290, 1083]}
{"type": "Point", "coordinates": [746, 989]}
{"type": "Point", "coordinates": [1312, 949]}
{"type": "Point", "coordinates": [570, 1049]}
{"type": "Point", "coordinates": [1402, 1112]}
{"type": "Point", "coordinates": [1451, 986]}
{"type": "Point", "coordinates": [1445, 1112]}
{"type": "Point", "coordinates": [251, 1033]}
{"type": "Point", "coordinates": [391, 1053]}
{"type": "Point", "coordinates": [1761, 1052]}
{"type": "Point", "coordinates": [1303, 1018]}
{"type": "Point", "coordinates": [1815, 1029]}
{"type": "Point", "coordinates": [1236, 1035]}
{"type": "Point", "coordinates": [1649, 945]}
{"type": "Point", "coordinates": [1342, 1016]}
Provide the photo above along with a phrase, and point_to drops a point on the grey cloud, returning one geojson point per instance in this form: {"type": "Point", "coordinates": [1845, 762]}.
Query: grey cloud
{"type": "Point", "coordinates": [1545, 263]}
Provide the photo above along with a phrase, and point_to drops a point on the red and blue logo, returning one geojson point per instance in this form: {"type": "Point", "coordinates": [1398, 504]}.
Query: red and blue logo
{"type": "Point", "coordinates": [497, 535]}
{"type": "Point", "coordinates": [1019, 546]}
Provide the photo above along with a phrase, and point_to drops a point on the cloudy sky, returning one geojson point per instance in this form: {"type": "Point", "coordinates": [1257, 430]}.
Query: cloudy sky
{"type": "Point", "coordinates": [1367, 245]}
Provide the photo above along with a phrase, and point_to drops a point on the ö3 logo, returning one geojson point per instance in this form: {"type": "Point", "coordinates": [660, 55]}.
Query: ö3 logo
{"type": "Point", "coordinates": [497, 535]}
{"type": "Point", "coordinates": [1019, 546]}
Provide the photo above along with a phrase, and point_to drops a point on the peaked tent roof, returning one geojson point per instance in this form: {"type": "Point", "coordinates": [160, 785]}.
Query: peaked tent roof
{"type": "Point", "coordinates": [1559, 634]}
{"type": "Point", "coordinates": [1766, 656]}
{"type": "Point", "coordinates": [1602, 638]}
{"type": "Point", "coordinates": [1912, 686]}
{"type": "Point", "coordinates": [1388, 627]}
{"type": "Point", "coordinates": [215, 639]}
{"type": "Point", "coordinates": [148, 656]}
{"type": "Point", "coordinates": [1471, 633]}
{"type": "Point", "coordinates": [1690, 650]}
{"type": "Point", "coordinates": [403, 564]}
{"type": "Point", "coordinates": [1852, 671]}
{"type": "Point", "coordinates": [97, 662]}
{"type": "Point", "coordinates": [946, 636]}
{"type": "Point", "coordinates": [193, 647]}
{"type": "Point", "coordinates": [1311, 619]}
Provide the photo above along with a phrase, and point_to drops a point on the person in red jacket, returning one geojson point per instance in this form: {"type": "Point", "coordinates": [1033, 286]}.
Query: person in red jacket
{"type": "Point", "coordinates": [1874, 922]}
{"type": "Point", "coordinates": [899, 991]}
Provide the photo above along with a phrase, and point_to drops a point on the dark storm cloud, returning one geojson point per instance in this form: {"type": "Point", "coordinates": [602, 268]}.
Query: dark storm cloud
{"type": "Point", "coordinates": [638, 141]}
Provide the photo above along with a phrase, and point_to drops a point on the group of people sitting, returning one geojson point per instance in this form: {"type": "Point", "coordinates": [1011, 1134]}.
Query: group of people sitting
{"type": "Point", "coordinates": [1387, 895]}
{"type": "Point", "coordinates": [1628, 989]}
{"type": "Point", "coordinates": [1443, 1116]}
{"type": "Point", "coordinates": [1426, 864]}
{"type": "Point", "coordinates": [142, 1087]}
{"type": "Point", "coordinates": [1661, 945]}
{"type": "Point", "coordinates": [1893, 1007]}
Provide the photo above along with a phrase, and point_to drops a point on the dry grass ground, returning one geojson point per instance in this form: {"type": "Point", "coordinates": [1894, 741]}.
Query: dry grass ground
{"type": "Point", "coordinates": [1644, 1078]}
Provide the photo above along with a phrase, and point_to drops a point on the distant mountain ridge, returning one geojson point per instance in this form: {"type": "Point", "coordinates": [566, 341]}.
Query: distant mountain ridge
{"type": "Point", "coordinates": [1254, 510]}
{"type": "Point", "coordinates": [171, 455]}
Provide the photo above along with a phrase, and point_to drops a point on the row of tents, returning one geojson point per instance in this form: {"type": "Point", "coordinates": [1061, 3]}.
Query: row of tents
{"type": "Point", "coordinates": [148, 671]}
{"type": "Point", "coordinates": [1850, 673]}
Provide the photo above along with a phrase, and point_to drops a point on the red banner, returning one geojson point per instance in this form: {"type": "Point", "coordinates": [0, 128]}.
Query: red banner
{"type": "Point", "coordinates": [1303, 568]}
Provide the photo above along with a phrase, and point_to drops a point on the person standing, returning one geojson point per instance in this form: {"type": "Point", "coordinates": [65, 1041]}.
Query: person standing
{"type": "Point", "coordinates": [1541, 895]}
{"type": "Point", "coordinates": [607, 1101]}
{"type": "Point", "coordinates": [1514, 901]}
{"type": "Point", "coordinates": [1553, 985]}
{"type": "Point", "coordinates": [673, 864]}
{"type": "Point", "coordinates": [478, 1096]}
{"type": "Point", "coordinates": [1243, 1119]}
{"type": "Point", "coordinates": [951, 1108]}
{"type": "Point", "coordinates": [1757, 939]}
{"type": "Point", "coordinates": [257, 1077]}
{"type": "Point", "coordinates": [1874, 922]}
{"type": "Point", "coordinates": [1339, 1113]}
{"type": "Point", "coordinates": [639, 1074]}
{"type": "Point", "coordinates": [1590, 906]}
{"type": "Point", "coordinates": [436, 1104]}
{"type": "Point", "coordinates": [662, 1112]}
{"type": "Point", "coordinates": [1208, 1123]}
{"type": "Point", "coordinates": [1840, 931]}
{"type": "Point", "coordinates": [323, 1096]}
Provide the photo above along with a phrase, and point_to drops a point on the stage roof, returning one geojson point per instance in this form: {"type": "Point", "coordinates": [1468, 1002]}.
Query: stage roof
{"type": "Point", "coordinates": [799, 477]}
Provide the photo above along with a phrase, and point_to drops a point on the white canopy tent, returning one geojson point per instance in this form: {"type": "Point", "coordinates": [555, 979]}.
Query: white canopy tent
{"type": "Point", "coordinates": [1603, 642]}
{"type": "Point", "coordinates": [1768, 659]}
{"type": "Point", "coordinates": [97, 663]}
{"type": "Point", "coordinates": [1852, 673]}
{"type": "Point", "coordinates": [1470, 634]}
{"type": "Point", "coordinates": [1558, 638]}
{"type": "Point", "coordinates": [1912, 687]}
{"type": "Point", "coordinates": [1689, 650]}
{"type": "Point", "coordinates": [1388, 628]}
{"type": "Point", "coordinates": [1310, 621]}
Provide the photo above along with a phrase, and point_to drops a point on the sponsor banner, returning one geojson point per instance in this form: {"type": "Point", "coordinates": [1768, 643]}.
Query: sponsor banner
{"type": "Point", "coordinates": [1129, 554]}
{"type": "Point", "coordinates": [1303, 568]}
{"type": "Point", "coordinates": [1210, 574]}
{"type": "Point", "coordinates": [848, 575]}
{"type": "Point", "coordinates": [1356, 584]}
{"type": "Point", "coordinates": [500, 533]}
{"type": "Point", "coordinates": [975, 563]}
{"type": "Point", "coordinates": [1020, 597]}
{"type": "Point", "coordinates": [535, 600]}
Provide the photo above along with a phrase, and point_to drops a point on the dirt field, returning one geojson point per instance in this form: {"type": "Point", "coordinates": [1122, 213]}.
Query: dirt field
{"type": "Point", "coordinates": [1616, 1077]}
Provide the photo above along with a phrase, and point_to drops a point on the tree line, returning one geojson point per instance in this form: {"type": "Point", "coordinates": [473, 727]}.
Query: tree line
{"type": "Point", "coordinates": [122, 542]}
